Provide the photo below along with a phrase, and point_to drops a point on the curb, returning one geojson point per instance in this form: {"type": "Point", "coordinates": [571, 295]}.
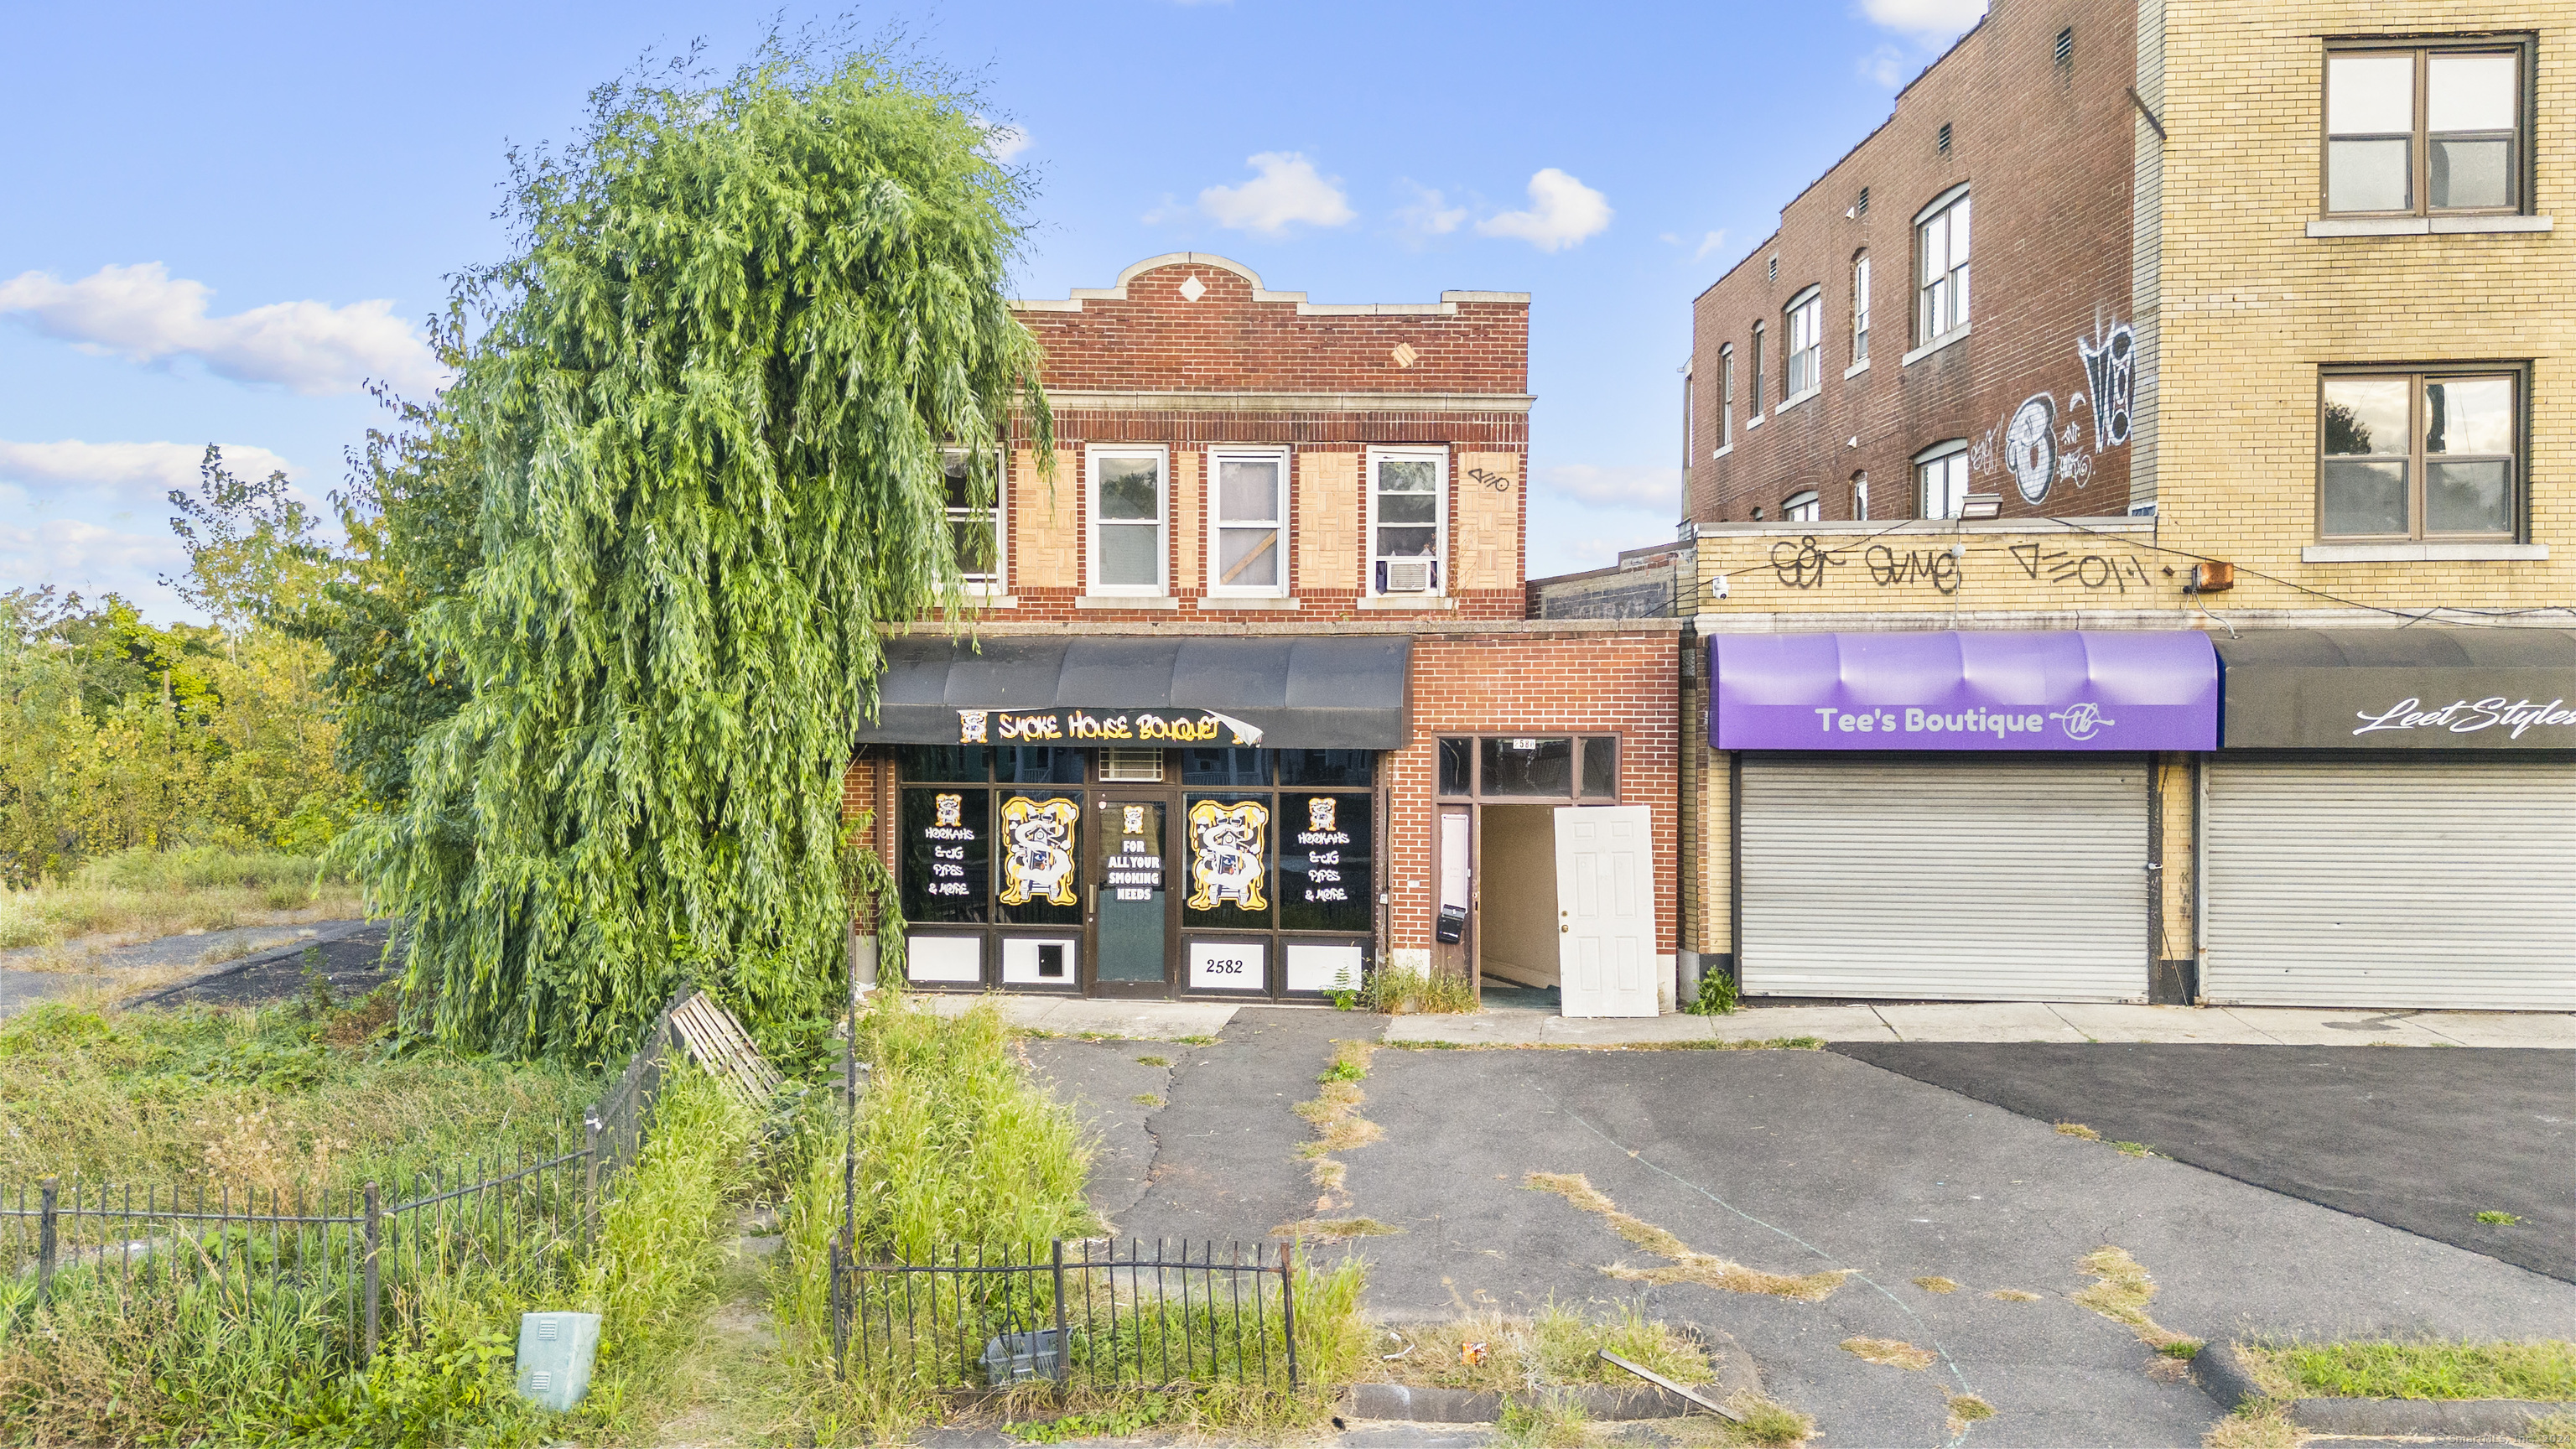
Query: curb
{"type": "Point", "coordinates": [2224, 1376]}
{"type": "Point", "coordinates": [332, 931]}
{"type": "Point", "coordinates": [1734, 1374]}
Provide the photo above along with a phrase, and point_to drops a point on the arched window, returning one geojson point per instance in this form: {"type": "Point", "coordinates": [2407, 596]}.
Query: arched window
{"type": "Point", "coordinates": [1941, 479]}
{"type": "Point", "coordinates": [1860, 309]}
{"type": "Point", "coordinates": [1860, 496]}
{"type": "Point", "coordinates": [1802, 508]}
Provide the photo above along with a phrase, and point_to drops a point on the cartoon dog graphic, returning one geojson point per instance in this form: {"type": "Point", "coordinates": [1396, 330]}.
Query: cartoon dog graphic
{"type": "Point", "coordinates": [1226, 855]}
{"type": "Point", "coordinates": [1037, 855]}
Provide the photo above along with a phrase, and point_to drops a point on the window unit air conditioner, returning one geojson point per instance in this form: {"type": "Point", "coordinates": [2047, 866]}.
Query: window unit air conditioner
{"type": "Point", "coordinates": [1407, 576]}
{"type": "Point", "coordinates": [1130, 766]}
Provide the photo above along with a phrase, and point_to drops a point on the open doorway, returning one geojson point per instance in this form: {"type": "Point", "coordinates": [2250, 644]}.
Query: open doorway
{"type": "Point", "coordinates": [1517, 925]}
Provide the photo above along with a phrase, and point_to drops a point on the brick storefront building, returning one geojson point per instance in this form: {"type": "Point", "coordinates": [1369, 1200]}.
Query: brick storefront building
{"type": "Point", "coordinates": [2212, 643]}
{"type": "Point", "coordinates": [1249, 705]}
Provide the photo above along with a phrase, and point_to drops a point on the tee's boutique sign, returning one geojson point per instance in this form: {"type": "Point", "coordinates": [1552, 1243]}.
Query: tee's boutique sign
{"type": "Point", "coordinates": [1102, 727]}
{"type": "Point", "coordinates": [2065, 690]}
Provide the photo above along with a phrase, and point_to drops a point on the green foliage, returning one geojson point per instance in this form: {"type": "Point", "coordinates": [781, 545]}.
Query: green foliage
{"type": "Point", "coordinates": [1394, 991]}
{"type": "Point", "coordinates": [2499, 1219]}
{"type": "Point", "coordinates": [703, 424]}
{"type": "Point", "coordinates": [1716, 995]}
{"type": "Point", "coordinates": [2540, 1369]}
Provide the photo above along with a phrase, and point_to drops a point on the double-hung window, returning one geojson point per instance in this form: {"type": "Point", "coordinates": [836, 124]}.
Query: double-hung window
{"type": "Point", "coordinates": [2415, 130]}
{"type": "Point", "coordinates": [1941, 267]}
{"type": "Point", "coordinates": [975, 526]}
{"type": "Point", "coordinates": [2417, 455]}
{"type": "Point", "coordinates": [1757, 369]}
{"type": "Point", "coordinates": [1726, 397]}
{"type": "Point", "coordinates": [1408, 517]}
{"type": "Point", "coordinates": [1802, 508]}
{"type": "Point", "coordinates": [1941, 479]}
{"type": "Point", "coordinates": [1248, 524]}
{"type": "Point", "coordinates": [1860, 309]}
{"type": "Point", "coordinates": [1130, 499]}
{"type": "Point", "coordinates": [1804, 372]}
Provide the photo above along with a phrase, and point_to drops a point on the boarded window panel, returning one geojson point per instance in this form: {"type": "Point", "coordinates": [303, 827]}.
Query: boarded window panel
{"type": "Point", "coordinates": [1488, 545]}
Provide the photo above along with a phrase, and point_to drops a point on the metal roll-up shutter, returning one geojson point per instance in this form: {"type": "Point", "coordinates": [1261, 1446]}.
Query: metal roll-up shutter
{"type": "Point", "coordinates": [1959, 878]}
{"type": "Point", "coordinates": [2390, 883]}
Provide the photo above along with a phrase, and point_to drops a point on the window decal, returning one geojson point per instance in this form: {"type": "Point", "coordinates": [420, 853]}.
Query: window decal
{"type": "Point", "coordinates": [1226, 854]}
{"type": "Point", "coordinates": [1038, 857]}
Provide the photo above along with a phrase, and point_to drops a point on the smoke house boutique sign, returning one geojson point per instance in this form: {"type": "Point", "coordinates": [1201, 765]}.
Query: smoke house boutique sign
{"type": "Point", "coordinates": [1102, 727]}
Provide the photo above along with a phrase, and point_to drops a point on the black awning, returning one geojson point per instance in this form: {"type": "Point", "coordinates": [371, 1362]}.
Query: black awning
{"type": "Point", "coordinates": [2410, 688]}
{"type": "Point", "coordinates": [1341, 693]}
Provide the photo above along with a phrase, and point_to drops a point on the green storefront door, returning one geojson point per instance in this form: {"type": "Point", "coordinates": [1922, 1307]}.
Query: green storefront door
{"type": "Point", "coordinates": [1131, 915]}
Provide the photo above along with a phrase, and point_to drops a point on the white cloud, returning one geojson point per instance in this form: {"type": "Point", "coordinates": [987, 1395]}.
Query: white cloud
{"type": "Point", "coordinates": [124, 473]}
{"type": "Point", "coordinates": [1924, 17]}
{"type": "Point", "coordinates": [1636, 486]}
{"type": "Point", "coordinates": [1886, 65]}
{"type": "Point", "coordinates": [1003, 141]}
{"type": "Point", "coordinates": [1428, 214]}
{"type": "Point", "coordinates": [1286, 193]}
{"type": "Point", "coordinates": [1563, 211]}
{"type": "Point", "coordinates": [86, 558]}
{"type": "Point", "coordinates": [1707, 244]}
{"type": "Point", "coordinates": [143, 314]}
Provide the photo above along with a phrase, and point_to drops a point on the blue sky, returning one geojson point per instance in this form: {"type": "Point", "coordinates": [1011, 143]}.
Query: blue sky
{"type": "Point", "coordinates": [223, 218]}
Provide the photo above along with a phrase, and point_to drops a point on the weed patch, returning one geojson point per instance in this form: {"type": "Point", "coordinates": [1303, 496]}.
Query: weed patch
{"type": "Point", "coordinates": [2542, 1369]}
{"type": "Point", "coordinates": [141, 894]}
{"type": "Point", "coordinates": [1334, 1230]}
{"type": "Point", "coordinates": [1395, 991]}
{"type": "Point", "coordinates": [1937, 1284]}
{"type": "Point", "coordinates": [2120, 1292]}
{"type": "Point", "coordinates": [1688, 1266]}
{"type": "Point", "coordinates": [1150, 1061]}
{"type": "Point", "coordinates": [1556, 1347]}
{"type": "Point", "coordinates": [2502, 1220]}
{"type": "Point", "coordinates": [2078, 1129]}
{"type": "Point", "coordinates": [2013, 1295]}
{"type": "Point", "coordinates": [2256, 1424]}
{"type": "Point", "coordinates": [1334, 1113]}
{"type": "Point", "coordinates": [1544, 1421]}
{"type": "Point", "coordinates": [1892, 1352]}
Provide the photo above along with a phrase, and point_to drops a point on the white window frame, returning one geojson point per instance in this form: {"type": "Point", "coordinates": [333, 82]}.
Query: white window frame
{"type": "Point", "coordinates": [1725, 398]}
{"type": "Point", "coordinates": [1162, 585]}
{"type": "Point", "coordinates": [1215, 458]}
{"type": "Point", "coordinates": [1942, 312]}
{"type": "Point", "coordinates": [1439, 458]}
{"type": "Point", "coordinates": [1860, 496]}
{"type": "Point", "coordinates": [1952, 458]}
{"type": "Point", "coordinates": [1000, 582]}
{"type": "Point", "coordinates": [1805, 507]}
{"type": "Point", "coordinates": [1761, 359]}
{"type": "Point", "coordinates": [1803, 318]}
{"type": "Point", "coordinates": [1860, 313]}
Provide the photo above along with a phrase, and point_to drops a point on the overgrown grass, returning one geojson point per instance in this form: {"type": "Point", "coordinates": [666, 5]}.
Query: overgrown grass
{"type": "Point", "coordinates": [1557, 1347]}
{"type": "Point", "coordinates": [296, 1094]}
{"type": "Point", "coordinates": [1394, 991]}
{"type": "Point", "coordinates": [221, 1366]}
{"type": "Point", "coordinates": [145, 893]}
{"type": "Point", "coordinates": [2542, 1369]}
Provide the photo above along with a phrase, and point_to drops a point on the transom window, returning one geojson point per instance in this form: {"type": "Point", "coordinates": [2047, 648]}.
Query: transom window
{"type": "Point", "coordinates": [1128, 499]}
{"type": "Point", "coordinates": [2419, 455]}
{"type": "Point", "coordinates": [2410, 131]}
{"type": "Point", "coordinates": [1941, 479]}
{"type": "Point", "coordinates": [1525, 767]}
{"type": "Point", "coordinates": [1860, 309]}
{"type": "Point", "coordinates": [1941, 276]}
{"type": "Point", "coordinates": [1805, 370]}
{"type": "Point", "coordinates": [975, 526]}
{"type": "Point", "coordinates": [1408, 508]}
{"type": "Point", "coordinates": [1248, 552]}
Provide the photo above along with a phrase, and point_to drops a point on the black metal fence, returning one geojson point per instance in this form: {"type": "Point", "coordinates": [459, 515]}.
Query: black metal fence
{"type": "Point", "coordinates": [1092, 1314]}
{"type": "Point", "coordinates": [333, 1258]}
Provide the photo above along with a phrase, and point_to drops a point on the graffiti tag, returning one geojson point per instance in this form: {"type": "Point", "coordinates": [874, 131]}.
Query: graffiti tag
{"type": "Point", "coordinates": [1888, 568]}
{"type": "Point", "coordinates": [2092, 570]}
{"type": "Point", "coordinates": [1803, 564]}
{"type": "Point", "coordinates": [2111, 366]}
{"type": "Point", "coordinates": [1498, 482]}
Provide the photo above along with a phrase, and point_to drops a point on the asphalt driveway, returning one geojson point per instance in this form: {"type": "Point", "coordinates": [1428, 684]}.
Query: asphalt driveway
{"type": "Point", "coordinates": [1791, 1162]}
{"type": "Point", "coordinates": [2423, 1140]}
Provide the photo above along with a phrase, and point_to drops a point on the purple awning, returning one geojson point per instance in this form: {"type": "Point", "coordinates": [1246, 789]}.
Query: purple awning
{"type": "Point", "coordinates": [2063, 690]}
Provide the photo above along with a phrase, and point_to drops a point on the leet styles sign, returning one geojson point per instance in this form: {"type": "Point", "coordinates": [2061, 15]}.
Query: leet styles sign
{"type": "Point", "coordinates": [2400, 709]}
{"type": "Point", "coordinates": [1102, 727]}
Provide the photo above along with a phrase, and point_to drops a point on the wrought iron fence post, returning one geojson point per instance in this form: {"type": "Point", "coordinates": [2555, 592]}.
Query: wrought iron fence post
{"type": "Point", "coordinates": [1063, 1350]}
{"type": "Point", "coordinates": [375, 1221]}
{"type": "Point", "coordinates": [51, 1189]}
{"type": "Point", "coordinates": [1288, 1311]}
{"type": "Point", "coordinates": [840, 1311]}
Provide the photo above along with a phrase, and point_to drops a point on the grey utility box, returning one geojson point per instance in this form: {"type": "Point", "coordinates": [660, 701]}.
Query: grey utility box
{"type": "Point", "coordinates": [1013, 1358]}
{"type": "Point", "coordinates": [555, 1354]}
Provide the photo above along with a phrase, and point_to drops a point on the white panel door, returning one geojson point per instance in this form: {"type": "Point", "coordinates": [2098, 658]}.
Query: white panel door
{"type": "Point", "coordinates": [1605, 910]}
{"type": "Point", "coordinates": [2399, 883]}
{"type": "Point", "coordinates": [1944, 877]}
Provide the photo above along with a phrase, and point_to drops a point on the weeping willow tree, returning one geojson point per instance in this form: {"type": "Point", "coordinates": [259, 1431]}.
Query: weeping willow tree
{"type": "Point", "coordinates": [704, 424]}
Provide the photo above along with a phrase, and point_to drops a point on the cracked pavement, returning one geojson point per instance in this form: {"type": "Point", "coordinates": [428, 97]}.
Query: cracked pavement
{"type": "Point", "coordinates": [1789, 1162]}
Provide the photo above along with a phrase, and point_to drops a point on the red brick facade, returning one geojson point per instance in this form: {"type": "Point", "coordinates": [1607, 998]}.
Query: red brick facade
{"type": "Point", "coordinates": [2045, 149]}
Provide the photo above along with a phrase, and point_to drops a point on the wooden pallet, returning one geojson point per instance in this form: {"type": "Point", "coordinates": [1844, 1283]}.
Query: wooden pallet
{"type": "Point", "coordinates": [718, 1043]}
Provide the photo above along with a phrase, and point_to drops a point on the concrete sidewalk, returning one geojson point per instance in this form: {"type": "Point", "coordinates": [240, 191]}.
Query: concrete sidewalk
{"type": "Point", "coordinates": [2003, 1021]}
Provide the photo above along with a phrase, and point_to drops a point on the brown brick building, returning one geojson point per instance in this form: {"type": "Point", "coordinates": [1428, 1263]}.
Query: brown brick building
{"type": "Point", "coordinates": [1248, 705]}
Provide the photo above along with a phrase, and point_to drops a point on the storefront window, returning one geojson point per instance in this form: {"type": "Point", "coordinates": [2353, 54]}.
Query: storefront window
{"type": "Point", "coordinates": [1229, 840]}
{"type": "Point", "coordinates": [1324, 769]}
{"type": "Point", "coordinates": [1601, 765]}
{"type": "Point", "coordinates": [1041, 838]}
{"type": "Point", "coordinates": [944, 762]}
{"type": "Point", "coordinates": [947, 856]}
{"type": "Point", "coordinates": [1324, 862]}
{"type": "Point", "coordinates": [1457, 767]}
{"type": "Point", "coordinates": [1221, 765]}
{"type": "Point", "coordinates": [1528, 765]}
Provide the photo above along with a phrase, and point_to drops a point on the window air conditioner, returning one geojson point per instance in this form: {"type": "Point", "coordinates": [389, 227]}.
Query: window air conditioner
{"type": "Point", "coordinates": [1407, 576]}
